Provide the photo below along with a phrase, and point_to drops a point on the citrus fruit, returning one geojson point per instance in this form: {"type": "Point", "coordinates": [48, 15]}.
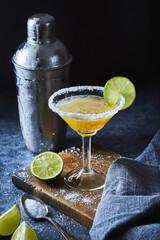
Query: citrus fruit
{"type": "Point", "coordinates": [25, 232]}
{"type": "Point", "coordinates": [117, 86]}
{"type": "Point", "coordinates": [47, 166]}
{"type": "Point", "coordinates": [10, 220]}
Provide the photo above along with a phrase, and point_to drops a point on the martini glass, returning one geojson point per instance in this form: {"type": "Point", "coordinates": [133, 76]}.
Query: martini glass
{"type": "Point", "coordinates": [85, 124]}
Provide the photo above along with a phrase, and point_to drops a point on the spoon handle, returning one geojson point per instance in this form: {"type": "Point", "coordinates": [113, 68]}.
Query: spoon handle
{"type": "Point", "coordinates": [61, 229]}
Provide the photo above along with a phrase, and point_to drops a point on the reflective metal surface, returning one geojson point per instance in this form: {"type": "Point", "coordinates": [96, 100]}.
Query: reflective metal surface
{"type": "Point", "coordinates": [41, 66]}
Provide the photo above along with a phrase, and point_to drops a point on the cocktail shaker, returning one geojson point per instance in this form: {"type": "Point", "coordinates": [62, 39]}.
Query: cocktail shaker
{"type": "Point", "coordinates": [41, 67]}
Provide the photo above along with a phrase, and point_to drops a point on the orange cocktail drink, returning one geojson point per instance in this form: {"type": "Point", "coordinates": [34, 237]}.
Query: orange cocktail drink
{"type": "Point", "coordinates": [84, 104]}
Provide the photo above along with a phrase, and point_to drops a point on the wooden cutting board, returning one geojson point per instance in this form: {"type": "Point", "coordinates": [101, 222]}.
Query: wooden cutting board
{"type": "Point", "coordinates": [81, 206]}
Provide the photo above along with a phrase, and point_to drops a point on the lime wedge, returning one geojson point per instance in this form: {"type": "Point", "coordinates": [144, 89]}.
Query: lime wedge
{"type": "Point", "coordinates": [25, 232]}
{"type": "Point", "coordinates": [46, 166]}
{"type": "Point", "coordinates": [117, 86]}
{"type": "Point", "coordinates": [10, 220]}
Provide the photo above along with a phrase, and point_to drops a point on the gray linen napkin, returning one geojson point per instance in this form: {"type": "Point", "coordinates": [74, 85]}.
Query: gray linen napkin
{"type": "Point", "coordinates": [130, 204]}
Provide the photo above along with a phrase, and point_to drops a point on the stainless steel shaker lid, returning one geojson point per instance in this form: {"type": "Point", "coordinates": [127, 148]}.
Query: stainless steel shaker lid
{"type": "Point", "coordinates": [41, 28]}
{"type": "Point", "coordinates": [42, 50]}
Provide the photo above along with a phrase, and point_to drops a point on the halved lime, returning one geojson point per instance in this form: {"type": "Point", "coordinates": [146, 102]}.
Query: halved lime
{"type": "Point", "coordinates": [10, 220]}
{"type": "Point", "coordinates": [46, 166]}
{"type": "Point", "coordinates": [117, 86]}
{"type": "Point", "coordinates": [25, 232]}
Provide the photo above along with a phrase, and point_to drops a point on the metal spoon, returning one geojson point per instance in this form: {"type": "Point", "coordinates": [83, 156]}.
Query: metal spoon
{"type": "Point", "coordinates": [36, 208]}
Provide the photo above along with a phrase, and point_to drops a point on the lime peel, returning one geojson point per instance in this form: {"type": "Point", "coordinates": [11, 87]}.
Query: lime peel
{"type": "Point", "coordinates": [47, 166]}
{"type": "Point", "coordinates": [117, 86]}
{"type": "Point", "coordinates": [25, 232]}
{"type": "Point", "coordinates": [10, 220]}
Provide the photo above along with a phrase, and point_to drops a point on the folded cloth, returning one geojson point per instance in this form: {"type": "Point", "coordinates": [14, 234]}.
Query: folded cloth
{"type": "Point", "coordinates": [130, 204]}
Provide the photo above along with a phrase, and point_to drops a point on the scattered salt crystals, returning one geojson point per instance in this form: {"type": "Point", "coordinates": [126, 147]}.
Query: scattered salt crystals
{"type": "Point", "coordinates": [62, 191]}
{"type": "Point", "coordinates": [22, 174]}
{"type": "Point", "coordinates": [86, 200]}
{"type": "Point", "coordinates": [78, 198]}
{"type": "Point", "coordinates": [72, 150]}
{"type": "Point", "coordinates": [35, 208]}
{"type": "Point", "coordinates": [99, 156]}
{"type": "Point", "coordinates": [71, 196]}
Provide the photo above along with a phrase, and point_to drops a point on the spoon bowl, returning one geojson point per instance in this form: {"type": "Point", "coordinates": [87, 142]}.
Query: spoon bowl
{"type": "Point", "coordinates": [33, 206]}
{"type": "Point", "coordinates": [37, 209]}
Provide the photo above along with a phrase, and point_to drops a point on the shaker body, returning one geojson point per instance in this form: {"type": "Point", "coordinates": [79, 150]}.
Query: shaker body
{"type": "Point", "coordinates": [42, 129]}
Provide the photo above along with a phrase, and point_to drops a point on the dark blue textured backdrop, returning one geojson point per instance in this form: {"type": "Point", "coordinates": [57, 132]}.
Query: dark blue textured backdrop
{"type": "Point", "coordinates": [127, 133]}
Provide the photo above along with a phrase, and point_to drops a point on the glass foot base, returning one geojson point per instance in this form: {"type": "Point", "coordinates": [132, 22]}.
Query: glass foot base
{"type": "Point", "coordinates": [85, 181]}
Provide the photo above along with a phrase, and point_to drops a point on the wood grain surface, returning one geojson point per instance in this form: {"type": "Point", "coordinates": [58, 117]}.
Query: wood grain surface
{"type": "Point", "coordinates": [81, 206]}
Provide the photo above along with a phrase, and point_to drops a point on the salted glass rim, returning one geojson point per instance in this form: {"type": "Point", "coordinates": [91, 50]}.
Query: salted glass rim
{"type": "Point", "coordinates": [53, 106]}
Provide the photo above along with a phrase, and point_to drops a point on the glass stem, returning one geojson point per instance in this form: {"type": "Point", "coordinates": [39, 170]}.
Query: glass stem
{"type": "Point", "coordinates": [86, 153]}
